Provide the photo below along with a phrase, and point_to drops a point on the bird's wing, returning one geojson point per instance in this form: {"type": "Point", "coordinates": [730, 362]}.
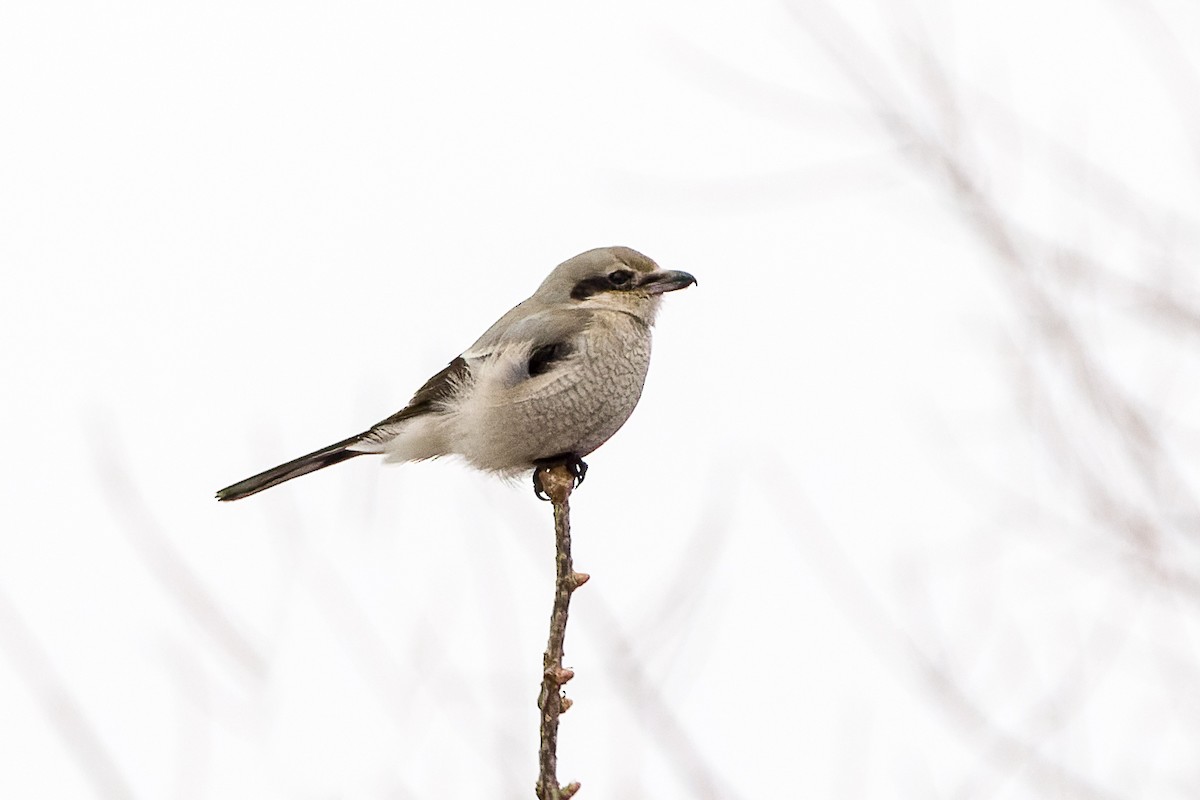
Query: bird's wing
{"type": "Point", "coordinates": [435, 390]}
{"type": "Point", "coordinates": [526, 329]}
{"type": "Point", "coordinates": [530, 344]}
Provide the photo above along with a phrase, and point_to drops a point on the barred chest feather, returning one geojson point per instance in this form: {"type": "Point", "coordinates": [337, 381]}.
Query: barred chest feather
{"type": "Point", "coordinates": [575, 406]}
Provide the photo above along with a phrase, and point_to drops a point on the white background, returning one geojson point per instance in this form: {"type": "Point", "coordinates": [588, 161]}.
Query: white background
{"type": "Point", "coordinates": [909, 505]}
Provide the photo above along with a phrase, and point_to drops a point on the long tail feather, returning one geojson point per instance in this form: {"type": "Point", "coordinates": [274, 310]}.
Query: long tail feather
{"type": "Point", "coordinates": [325, 457]}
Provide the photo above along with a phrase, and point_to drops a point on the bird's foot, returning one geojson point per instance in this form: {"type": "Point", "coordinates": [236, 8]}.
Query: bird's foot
{"type": "Point", "coordinates": [574, 464]}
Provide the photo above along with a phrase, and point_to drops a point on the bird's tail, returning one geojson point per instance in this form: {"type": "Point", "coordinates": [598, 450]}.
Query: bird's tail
{"type": "Point", "coordinates": [325, 457]}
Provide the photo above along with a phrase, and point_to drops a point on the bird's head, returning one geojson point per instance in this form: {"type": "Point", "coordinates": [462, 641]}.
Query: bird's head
{"type": "Point", "coordinates": [614, 279]}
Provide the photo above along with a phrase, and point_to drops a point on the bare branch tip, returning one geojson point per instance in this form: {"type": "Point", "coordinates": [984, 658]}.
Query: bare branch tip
{"type": "Point", "coordinates": [569, 790]}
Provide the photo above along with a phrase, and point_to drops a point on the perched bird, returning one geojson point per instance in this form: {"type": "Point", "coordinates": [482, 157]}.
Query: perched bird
{"type": "Point", "coordinates": [547, 384]}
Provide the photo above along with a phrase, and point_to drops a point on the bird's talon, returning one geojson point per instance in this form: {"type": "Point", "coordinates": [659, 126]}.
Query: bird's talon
{"type": "Point", "coordinates": [578, 469]}
{"type": "Point", "coordinates": [539, 491]}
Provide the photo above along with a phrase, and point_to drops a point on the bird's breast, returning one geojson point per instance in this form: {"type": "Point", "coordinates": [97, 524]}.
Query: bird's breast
{"type": "Point", "coordinates": [574, 407]}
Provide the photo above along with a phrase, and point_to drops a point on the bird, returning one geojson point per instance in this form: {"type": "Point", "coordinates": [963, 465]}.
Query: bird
{"type": "Point", "coordinates": [545, 385]}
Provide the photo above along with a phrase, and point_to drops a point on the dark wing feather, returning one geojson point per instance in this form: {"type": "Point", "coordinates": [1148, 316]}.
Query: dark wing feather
{"type": "Point", "coordinates": [546, 356]}
{"type": "Point", "coordinates": [436, 390]}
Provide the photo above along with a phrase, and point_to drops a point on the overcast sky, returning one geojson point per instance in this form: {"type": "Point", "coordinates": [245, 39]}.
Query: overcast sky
{"type": "Point", "coordinates": [909, 505]}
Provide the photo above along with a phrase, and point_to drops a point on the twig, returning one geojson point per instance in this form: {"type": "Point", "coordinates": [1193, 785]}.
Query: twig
{"type": "Point", "coordinates": [557, 483]}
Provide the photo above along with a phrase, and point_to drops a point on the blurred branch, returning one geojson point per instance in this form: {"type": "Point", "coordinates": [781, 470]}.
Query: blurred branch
{"type": "Point", "coordinates": [1118, 452]}
{"type": "Point", "coordinates": [1041, 276]}
{"type": "Point", "coordinates": [557, 482]}
{"type": "Point", "coordinates": [856, 595]}
{"type": "Point", "coordinates": [654, 713]}
{"type": "Point", "coordinates": [64, 711]}
{"type": "Point", "coordinates": [394, 682]}
{"type": "Point", "coordinates": [177, 579]}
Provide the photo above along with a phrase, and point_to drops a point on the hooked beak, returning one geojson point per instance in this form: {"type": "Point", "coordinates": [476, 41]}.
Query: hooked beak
{"type": "Point", "coordinates": [667, 281]}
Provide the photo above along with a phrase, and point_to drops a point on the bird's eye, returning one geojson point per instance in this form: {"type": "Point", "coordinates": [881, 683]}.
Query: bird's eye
{"type": "Point", "coordinates": [620, 277]}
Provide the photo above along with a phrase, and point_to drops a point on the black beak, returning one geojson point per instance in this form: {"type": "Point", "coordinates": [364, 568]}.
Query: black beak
{"type": "Point", "coordinates": [668, 281]}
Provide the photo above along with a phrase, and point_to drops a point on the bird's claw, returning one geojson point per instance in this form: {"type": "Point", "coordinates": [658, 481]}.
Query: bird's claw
{"type": "Point", "coordinates": [578, 469]}
{"type": "Point", "coordinates": [539, 491]}
{"type": "Point", "coordinates": [574, 464]}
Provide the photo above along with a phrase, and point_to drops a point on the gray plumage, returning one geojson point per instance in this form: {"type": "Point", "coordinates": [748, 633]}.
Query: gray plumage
{"type": "Point", "coordinates": [552, 379]}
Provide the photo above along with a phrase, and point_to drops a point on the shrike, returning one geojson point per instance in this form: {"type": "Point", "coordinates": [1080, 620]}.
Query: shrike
{"type": "Point", "coordinates": [547, 384]}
